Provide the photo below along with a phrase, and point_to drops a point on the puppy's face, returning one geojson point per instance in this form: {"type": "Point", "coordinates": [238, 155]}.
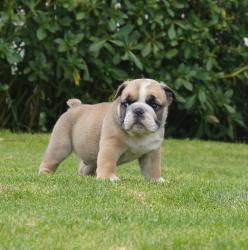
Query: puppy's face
{"type": "Point", "coordinates": [143, 106]}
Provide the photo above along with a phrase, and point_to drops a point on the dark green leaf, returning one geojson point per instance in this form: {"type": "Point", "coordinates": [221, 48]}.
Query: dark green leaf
{"type": "Point", "coordinates": [188, 85]}
{"type": "Point", "coordinates": [171, 53]}
{"type": "Point", "coordinates": [147, 50]}
{"type": "Point", "coordinates": [117, 42]}
{"type": "Point", "coordinates": [202, 96]}
{"type": "Point", "coordinates": [4, 87]}
{"type": "Point", "coordinates": [229, 108]}
{"type": "Point", "coordinates": [13, 57]}
{"type": "Point", "coordinates": [136, 60]}
{"type": "Point", "coordinates": [41, 34]}
{"type": "Point", "coordinates": [95, 47]}
{"type": "Point", "coordinates": [190, 102]}
{"type": "Point", "coordinates": [80, 15]}
{"type": "Point", "coordinates": [212, 119]}
{"type": "Point", "coordinates": [172, 32]}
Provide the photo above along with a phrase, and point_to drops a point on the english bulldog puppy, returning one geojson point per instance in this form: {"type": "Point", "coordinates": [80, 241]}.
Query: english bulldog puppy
{"type": "Point", "coordinates": [108, 134]}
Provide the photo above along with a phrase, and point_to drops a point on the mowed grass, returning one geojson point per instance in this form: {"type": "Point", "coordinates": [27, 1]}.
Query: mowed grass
{"type": "Point", "coordinates": [204, 204]}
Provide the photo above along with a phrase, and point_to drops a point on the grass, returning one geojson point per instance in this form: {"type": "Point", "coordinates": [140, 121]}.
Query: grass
{"type": "Point", "coordinates": [204, 205]}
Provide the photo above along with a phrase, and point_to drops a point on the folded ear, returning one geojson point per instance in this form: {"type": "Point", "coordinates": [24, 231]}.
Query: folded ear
{"type": "Point", "coordinates": [168, 91]}
{"type": "Point", "coordinates": [120, 89]}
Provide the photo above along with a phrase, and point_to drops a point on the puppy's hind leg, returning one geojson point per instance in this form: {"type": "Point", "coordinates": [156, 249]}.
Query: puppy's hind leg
{"type": "Point", "coordinates": [59, 147]}
{"type": "Point", "coordinates": [86, 169]}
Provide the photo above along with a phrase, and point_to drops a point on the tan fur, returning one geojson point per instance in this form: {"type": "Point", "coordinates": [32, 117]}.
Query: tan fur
{"type": "Point", "coordinates": [93, 132]}
{"type": "Point", "coordinates": [73, 102]}
{"type": "Point", "coordinates": [150, 165]}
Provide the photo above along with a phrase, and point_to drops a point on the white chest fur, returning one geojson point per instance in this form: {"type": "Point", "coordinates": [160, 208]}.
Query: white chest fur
{"type": "Point", "coordinates": [138, 146]}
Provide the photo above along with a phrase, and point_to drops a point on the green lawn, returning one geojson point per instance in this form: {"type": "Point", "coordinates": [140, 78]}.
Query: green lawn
{"type": "Point", "coordinates": [204, 205]}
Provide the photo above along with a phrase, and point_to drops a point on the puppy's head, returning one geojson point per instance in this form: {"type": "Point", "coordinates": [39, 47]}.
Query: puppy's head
{"type": "Point", "coordinates": [142, 105]}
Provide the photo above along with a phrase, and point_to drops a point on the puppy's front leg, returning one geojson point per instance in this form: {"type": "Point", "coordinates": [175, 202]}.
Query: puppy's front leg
{"type": "Point", "coordinates": [150, 165]}
{"type": "Point", "coordinates": [108, 155]}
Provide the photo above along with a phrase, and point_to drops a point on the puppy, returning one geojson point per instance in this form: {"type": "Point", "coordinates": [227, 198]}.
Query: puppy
{"type": "Point", "coordinates": [108, 134]}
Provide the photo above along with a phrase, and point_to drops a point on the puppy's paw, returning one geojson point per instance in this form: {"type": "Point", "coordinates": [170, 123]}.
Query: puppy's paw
{"type": "Point", "coordinates": [158, 180]}
{"type": "Point", "coordinates": [112, 178]}
{"type": "Point", "coordinates": [45, 172]}
{"type": "Point", "coordinates": [47, 168]}
{"type": "Point", "coordinates": [161, 180]}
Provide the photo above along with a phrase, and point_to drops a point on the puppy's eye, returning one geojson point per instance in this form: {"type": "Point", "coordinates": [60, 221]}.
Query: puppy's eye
{"type": "Point", "coordinates": [155, 106]}
{"type": "Point", "coordinates": [126, 103]}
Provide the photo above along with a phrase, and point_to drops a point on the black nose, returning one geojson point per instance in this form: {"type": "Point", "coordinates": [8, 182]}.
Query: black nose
{"type": "Point", "coordinates": [139, 111]}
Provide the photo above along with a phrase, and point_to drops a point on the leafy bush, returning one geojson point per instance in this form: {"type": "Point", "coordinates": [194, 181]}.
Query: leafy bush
{"type": "Point", "coordinates": [53, 50]}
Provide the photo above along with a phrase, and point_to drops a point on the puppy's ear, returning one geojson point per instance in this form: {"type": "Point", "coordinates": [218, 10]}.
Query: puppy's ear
{"type": "Point", "coordinates": [168, 91]}
{"type": "Point", "coordinates": [120, 89]}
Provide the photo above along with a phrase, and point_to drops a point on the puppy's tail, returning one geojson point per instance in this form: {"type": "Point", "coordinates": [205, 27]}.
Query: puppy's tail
{"type": "Point", "coordinates": [73, 102]}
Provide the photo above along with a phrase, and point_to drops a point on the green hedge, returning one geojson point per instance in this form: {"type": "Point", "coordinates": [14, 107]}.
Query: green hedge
{"type": "Point", "coordinates": [54, 50]}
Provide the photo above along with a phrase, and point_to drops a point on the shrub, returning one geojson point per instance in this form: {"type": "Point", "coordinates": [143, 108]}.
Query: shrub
{"type": "Point", "coordinates": [53, 50]}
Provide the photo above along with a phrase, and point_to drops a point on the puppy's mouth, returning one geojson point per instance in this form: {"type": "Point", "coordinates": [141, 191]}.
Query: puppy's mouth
{"type": "Point", "coordinates": [139, 129]}
{"type": "Point", "coordinates": [138, 125]}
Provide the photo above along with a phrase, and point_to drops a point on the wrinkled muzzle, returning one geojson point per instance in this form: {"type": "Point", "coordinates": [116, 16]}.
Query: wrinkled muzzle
{"type": "Point", "coordinates": [140, 119]}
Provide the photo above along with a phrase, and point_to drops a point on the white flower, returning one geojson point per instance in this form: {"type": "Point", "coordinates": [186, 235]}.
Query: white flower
{"type": "Point", "coordinates": [246, 41]}
{"type": "Point", "coordinates": [146, 16]}
{"type": "Point", "coordinates": [117, 5]}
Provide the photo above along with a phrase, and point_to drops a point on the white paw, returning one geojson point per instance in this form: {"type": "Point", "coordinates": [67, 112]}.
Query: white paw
{"type": "Point", "coordinates": [161, 180]}
{"type": "Point", "coordinates": [114, 178]}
